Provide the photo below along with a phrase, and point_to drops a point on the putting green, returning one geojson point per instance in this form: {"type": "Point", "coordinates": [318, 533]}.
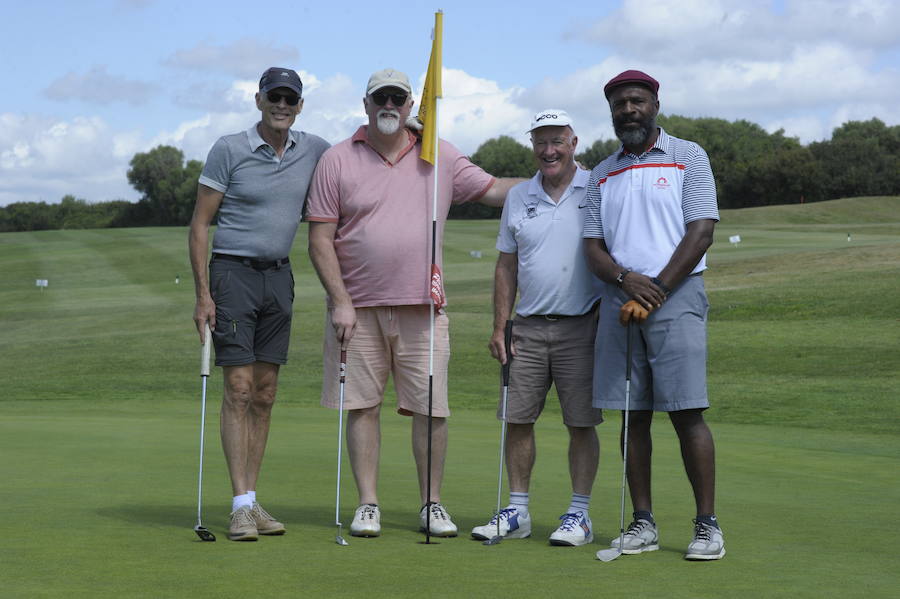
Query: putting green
{"type": "Point", "coordinates": [104, 497]}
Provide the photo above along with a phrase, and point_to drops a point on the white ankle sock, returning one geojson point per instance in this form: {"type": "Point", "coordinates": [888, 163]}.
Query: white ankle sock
{"type": "Point", "coordinates": [252, 495]}
{"type": "Point", "coordinates": [239, 501]}
{"type": "Point", "coordinates": [519, 501]}
{"type": "Point", "coordinates": [580, 503]}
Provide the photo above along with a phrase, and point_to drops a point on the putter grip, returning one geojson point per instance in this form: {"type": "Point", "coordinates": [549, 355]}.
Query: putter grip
{"type": "Point", "coordinates": [204, 352]}
{"type": "Point", "coordinates": [507, 345]}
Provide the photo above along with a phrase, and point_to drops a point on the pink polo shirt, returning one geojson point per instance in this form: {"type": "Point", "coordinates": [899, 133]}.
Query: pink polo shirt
{"type": "Point", "coordinates": [383, 215]}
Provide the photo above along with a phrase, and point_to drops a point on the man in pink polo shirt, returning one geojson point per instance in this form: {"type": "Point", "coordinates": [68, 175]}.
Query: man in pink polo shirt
{"type": "Point", "coordinates": [370, 215]}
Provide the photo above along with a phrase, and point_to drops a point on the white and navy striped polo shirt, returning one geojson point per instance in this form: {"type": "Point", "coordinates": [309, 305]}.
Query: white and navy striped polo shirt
{"type": "Point", "coordinates": [641, 205]}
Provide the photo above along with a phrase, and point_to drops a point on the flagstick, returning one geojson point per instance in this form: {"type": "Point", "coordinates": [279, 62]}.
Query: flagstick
{"type": "Point", "coordinates": [434, 206]}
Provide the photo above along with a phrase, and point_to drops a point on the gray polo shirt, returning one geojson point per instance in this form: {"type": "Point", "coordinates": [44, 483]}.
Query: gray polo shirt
{"type": "Point", "coordinates": [553, 275]}
{"type": "Point", "coordinates": [264, 194]}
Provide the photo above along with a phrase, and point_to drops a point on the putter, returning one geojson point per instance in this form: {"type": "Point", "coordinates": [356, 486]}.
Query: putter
{"type": "Point", "coordinates": [608, 555]}
{"type": "Point", "coordinates": [507, 344]}
{"type": "Point", "coordinates": [339, 538]}
{"type": "Point", "coordinates": [204, 533]}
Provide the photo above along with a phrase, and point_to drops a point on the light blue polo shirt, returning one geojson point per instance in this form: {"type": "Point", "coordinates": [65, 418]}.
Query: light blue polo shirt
{"type": "Point", "coordinates": [264, 194]}
{"type": "Point", "coordinates": [553, 275]}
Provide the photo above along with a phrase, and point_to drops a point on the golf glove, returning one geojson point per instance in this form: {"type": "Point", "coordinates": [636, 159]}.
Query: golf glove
{"type": "Point", "coordinates": [633, 311]}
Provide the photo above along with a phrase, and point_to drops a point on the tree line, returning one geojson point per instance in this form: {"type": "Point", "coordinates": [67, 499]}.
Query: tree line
{"type": "Point", "coordinates": [752, 168]}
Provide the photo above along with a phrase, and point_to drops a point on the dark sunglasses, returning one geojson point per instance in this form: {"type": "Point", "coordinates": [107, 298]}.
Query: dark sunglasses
{"type": "Point", "coordinates": [290, 99]}
{"type": "Point", "coordinates": [381, 98]}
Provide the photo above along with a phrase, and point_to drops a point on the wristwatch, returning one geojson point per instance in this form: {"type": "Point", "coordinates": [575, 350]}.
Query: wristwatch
{"type": "Point", "coordinates": [621, 278]}
{"type": "Point", "coordinates": [661, 285]}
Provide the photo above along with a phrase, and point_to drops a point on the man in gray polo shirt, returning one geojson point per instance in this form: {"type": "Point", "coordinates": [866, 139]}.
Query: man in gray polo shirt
{"type": "Point", "coordinates": [542, 255]}
{"type": "Point", "coordinates": [257, 182]}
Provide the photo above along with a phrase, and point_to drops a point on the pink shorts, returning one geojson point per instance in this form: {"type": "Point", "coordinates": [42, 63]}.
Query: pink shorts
{"type": "Point", "coordinates": [389, 340]}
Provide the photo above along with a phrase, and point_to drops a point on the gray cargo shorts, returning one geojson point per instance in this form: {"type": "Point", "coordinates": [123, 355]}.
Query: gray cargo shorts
{"type": "Point", "coordinates": [254, 303]}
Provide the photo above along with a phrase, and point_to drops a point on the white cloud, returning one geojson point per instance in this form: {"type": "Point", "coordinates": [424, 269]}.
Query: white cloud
{"type": "Point", "coordinates": [99, 87]}
{"type": "Point", "coordinates": [475, 109]}
{"type": "Point", "coordinates": [737, 60]}
{"type": "Point", "coordinates": [240, 58]}
{"type": "Point", "coordinates": [43, 159]}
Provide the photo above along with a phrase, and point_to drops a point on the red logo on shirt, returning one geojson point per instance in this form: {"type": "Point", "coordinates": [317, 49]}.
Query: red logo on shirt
{"type": "Point", "coordinates": [661, 183]}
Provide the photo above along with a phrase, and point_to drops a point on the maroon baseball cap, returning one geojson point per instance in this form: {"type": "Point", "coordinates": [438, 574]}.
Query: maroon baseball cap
{"type": "Point", "coordinates": [633, 77]}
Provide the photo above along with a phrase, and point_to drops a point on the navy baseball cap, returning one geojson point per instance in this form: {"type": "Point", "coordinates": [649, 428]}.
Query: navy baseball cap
{"type": "Point", "coordinates": [276, 77]}
{"type": "Point", "coordinates": [631, 77]}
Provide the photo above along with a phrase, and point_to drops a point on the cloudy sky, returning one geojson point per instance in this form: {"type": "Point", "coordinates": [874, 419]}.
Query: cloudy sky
{"type": "Point", "coordinates": [89, 84]}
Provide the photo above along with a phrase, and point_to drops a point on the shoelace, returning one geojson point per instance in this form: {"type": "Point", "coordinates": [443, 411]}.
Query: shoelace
{"type": "Point", "coordinates": [570, 521]}
{"type": "Point", "coordinates": [702, 532]}
{"type": "Point", "coordinates": [438, 512]}
{"type": "Point", "coordinates": [242, 517]}
{"type": "Point", "coordinates": [505, 514]}
{"type": "Point", "coordinates": [636, 528]}
{"type": "Point", "coordinates": [263, 514]}
{"type": "Point", "coordinates": [368, 513]}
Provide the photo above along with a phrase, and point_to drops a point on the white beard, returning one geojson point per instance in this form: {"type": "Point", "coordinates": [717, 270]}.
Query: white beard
{"type": "Point", "coordinates": [388, 125]}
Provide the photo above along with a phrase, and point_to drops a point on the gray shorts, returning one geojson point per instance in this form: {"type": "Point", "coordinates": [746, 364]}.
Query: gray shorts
{"type": "Point", "coordinates": [253, 311]}
{"type": "Point", "coordinates": [559, 352]}
{"type": "Point", "coordinates": [668, 371]}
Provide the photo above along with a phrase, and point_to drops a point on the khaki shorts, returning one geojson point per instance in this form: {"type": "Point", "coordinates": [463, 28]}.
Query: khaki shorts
{"type": "Point", "coordinates": [559, 352]}
{"type": "Point", "coordinates": [389, 340]}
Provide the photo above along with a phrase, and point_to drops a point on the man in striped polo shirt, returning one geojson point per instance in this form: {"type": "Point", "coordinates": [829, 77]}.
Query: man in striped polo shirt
{"type": "Point", "coordinates": [651, 214]}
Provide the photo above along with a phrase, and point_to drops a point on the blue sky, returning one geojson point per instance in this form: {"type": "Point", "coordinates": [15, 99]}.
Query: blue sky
{"type": "Point", "coordinates": [89, 84]}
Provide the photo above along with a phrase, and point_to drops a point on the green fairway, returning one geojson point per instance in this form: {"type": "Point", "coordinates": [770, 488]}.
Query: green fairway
{"type": "Point", "coordinates": [99, 419]}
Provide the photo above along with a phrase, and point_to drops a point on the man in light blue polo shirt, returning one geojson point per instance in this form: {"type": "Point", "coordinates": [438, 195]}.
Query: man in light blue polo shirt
{"type": "Point", "coordinates": [542, 255]}
{"type": "Point", "coordinates": [257, 182]}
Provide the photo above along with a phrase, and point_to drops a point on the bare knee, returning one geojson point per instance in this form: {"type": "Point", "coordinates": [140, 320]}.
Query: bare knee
{"type": "Point", "coordinates": [639, 420]}
{"type": "Point", "coordinates": [264, 396]}
{"type": "Point", "coordinates": [238, 394]}
{"type": "Point", "coordinates": [689, 422]}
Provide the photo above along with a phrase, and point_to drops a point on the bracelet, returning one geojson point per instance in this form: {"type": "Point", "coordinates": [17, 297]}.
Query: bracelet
{"type": "Point", "coordinates": [661, 285]}
{"type": "Point", "coordinates": [621, 278]}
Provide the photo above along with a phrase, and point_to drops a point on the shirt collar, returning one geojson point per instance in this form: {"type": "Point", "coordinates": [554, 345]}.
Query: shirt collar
{"type": "Point", "coordinates": [256, 140]}
{"type": "Point", "coordinates": [536, 187]}
{"type": "Point", "coordinates": [361, 135]}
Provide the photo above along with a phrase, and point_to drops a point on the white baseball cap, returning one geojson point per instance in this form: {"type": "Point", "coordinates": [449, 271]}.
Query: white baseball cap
{"type": "Point", "coordinates": [550, 118]}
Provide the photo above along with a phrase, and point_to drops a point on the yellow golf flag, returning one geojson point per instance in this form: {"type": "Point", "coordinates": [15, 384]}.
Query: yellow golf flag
{"type": "Point", "coordinates": [432, 91]}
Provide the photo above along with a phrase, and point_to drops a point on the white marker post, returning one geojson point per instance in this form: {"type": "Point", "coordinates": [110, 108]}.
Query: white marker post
{"type": "Point", "coordinates": [734, 239]}
{"type": "Point", "coordinates": [41, 283]}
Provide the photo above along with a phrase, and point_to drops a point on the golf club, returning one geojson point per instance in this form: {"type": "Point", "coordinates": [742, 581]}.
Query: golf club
{"type": "Point", "coordinates": [608, 555]}
{"type": "Point", "coordinates": [204, 533]}
{"type": "Point", "coordinates": [339, 539]}
{"type": "Point", "coordinates": [507, 344]}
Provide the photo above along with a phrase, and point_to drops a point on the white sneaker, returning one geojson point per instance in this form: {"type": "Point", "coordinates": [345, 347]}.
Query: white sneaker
{"type": "Point", "coordinates": [640, 536]}
{"type": "Point", "coordinates": [513, 525]}
{"type": "Point", "coordinates": [441, 524]}
{"type": "Point", "coordinates": [574, 531]}
{"type": "Point", "coordinates": [366, 521]}
{"type": "Point", "coordinates": [708, 543]}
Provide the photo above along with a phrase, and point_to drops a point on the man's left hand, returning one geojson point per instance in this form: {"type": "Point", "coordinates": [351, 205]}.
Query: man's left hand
{"type": "Point", "coordinates": [641, 288]}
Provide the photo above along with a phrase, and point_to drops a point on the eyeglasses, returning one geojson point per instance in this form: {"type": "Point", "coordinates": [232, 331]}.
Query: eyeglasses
{"type": "Point", "coordinates": [289, 99]}
{"type": "Point", "coordinates": [380, 98]}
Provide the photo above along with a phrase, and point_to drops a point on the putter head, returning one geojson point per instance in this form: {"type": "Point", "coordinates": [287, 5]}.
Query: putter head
{"type": "Point", "coordinates": [608, 555]}
{"type": "Point", "coordinates": [340, 540]}
{"type": "Point", "coordinates": [205, 534]}
{"type": "Point", "coordinates": [493, 540]}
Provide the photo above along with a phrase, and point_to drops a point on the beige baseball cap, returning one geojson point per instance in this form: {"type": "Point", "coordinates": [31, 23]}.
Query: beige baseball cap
{"type": "Point", "coordinates": [388, 78]}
